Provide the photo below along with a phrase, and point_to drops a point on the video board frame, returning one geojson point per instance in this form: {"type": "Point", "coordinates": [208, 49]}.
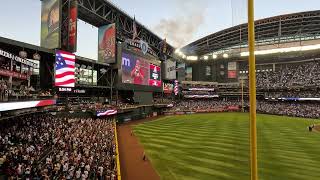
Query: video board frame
{"type": "Point", "coordinates": [136, 87]}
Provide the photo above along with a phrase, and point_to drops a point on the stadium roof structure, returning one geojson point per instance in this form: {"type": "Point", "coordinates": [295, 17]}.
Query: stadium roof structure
{"type": "Point", "coordinates": [297, 27]}
{"type": "Point", "coordinates": [102, 12]}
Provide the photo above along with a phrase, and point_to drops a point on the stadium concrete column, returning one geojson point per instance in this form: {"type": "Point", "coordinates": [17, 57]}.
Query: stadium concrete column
{"type": "Point", "coordinates": [252, 89]}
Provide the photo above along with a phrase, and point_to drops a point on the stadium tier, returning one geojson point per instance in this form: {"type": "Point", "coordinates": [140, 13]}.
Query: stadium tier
{"type": "Point", "coordinates": [63, 116]}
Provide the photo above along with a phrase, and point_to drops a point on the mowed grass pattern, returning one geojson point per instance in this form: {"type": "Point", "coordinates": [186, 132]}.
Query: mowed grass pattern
{"type": "Point", "coordinates": [216, 146]}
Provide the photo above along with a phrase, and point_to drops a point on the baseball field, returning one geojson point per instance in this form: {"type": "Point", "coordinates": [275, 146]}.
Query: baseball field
{"type": "Point", "coordinates": [216, 146]}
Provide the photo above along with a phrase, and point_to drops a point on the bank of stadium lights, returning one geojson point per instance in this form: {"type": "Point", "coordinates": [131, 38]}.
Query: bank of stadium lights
{"type": "Point", "coordinates": [179, 53]}
{"type": "Point", "coordinates": [214, 56]}
{"type": "Point", "coordinates": [192, 58]}
{"type": "Point", "coordinates": [283, 50]}
{"type": "Point", "coordinates": [225, 55]}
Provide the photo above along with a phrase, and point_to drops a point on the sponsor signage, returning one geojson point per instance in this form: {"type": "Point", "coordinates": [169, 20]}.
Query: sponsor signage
{"type": "Point", "coordinates": [170, 70]}
{"type": "Point", "coordinates": [167, 88]}
{"type": "Point", "coordinates": [201, 89]}
{"type": "Point", "coordinates": [232, 70]}
{"type": "Point", "coordinates": [232, 74]}
{"type": "Point", "coordinates": [107, 44]}
{"type": "Point", "coordinates": [9, 73]}
{"type": "Point", "coordinates": [77, 91]}
{"type": "Point", "coordinates": [189, 74]}
{"type": "Point", "coordinates": [17, 58]}
{"type": "Point", "coordinates": [73, 26]}
{"type": "Point", "coordinates": [50, 24]}
{"type": "Point", "coordinates": [154, 79]}
{"type": "Point", "coordinates": [142, 45]}
{"type": "Point", "coordinates": [201, 96]}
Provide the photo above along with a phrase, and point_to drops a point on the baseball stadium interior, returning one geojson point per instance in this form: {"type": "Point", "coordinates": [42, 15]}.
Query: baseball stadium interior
{"type": "Point", "coordinates": [146, 110]}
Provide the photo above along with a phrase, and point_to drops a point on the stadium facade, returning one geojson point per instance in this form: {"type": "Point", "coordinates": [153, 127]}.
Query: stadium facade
{"type": "Point", "coordinates": [279, 39]}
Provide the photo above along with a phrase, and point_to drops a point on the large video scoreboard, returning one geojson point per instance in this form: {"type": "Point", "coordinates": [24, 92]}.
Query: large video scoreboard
{"type": "Point", "coordinates": [138, 71]}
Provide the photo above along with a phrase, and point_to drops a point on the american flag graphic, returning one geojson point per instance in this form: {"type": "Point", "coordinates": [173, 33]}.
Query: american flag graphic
{"type": "Point", "coordinates": [107, 112]}
{"type": "Point", "coordinates": [65, 68]}
{"type": "Point", "coordinates": [176, 87]}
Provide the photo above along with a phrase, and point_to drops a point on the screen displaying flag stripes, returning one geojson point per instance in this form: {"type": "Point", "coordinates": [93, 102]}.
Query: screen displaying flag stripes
{"type": "Point", "coordinates": [107, 112]}
{"type": "Point", "coordinates": [65, 68]}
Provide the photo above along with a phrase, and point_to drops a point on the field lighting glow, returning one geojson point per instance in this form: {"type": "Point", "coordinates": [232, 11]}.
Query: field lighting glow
{"type": "Point", "coordinates": [283, 50]}
{"type": "Point", "coordinates": [192, 58]}
{"type": "Point", "coordinates": [225, 55]}
{"type": "Point", "coordinates": [205, 57]}
{"type": "Point", "coordinates": [214, 56]}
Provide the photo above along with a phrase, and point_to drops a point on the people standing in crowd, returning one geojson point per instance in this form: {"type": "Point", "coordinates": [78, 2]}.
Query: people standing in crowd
{"type": "Point", "coordinates": [46, 147]}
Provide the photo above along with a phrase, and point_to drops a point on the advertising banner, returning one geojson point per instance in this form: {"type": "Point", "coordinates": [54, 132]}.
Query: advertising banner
{"type": "Point", "coordinates": [208, 71]}
{"type": "Point", "coordinates": [232, 70]}
{"type": "Point", "coordinates": [232, 66]}
{"type": "Point", "coordinates": [50, 24]}
{"type": "Point", "coordinates": [73, 16]}
{"type": "Point", "coordinates": [5, 72]}
{"type": "Point", "coordinates": [181, 72]}
{"type": "Point", "coordinates": [189, 74]}
{"type": "Point", "coordinates": [170, 70]}
{"type": "Point", "coordinates": [154, 79]}
{"type": "Point", "coordinates": [167, 88]}
{"type": "Point", "coordinates": [232, 74]}
{"type": "Point", "coordinates": [107, 44]}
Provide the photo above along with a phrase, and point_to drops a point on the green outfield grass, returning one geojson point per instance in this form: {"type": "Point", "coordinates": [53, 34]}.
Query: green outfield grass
{"type": "Point", "coordinates": [216, 146]}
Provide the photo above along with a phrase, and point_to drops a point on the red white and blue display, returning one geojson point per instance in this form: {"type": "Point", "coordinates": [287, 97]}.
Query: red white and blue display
{"type": "Point", "coordinates": [155, 79]}
{"type": "Point", "coordinates": [176, 87]}
{"type": "Point", "coordinates": [107, 112]}
{"type": "Point", "coordinates": [25, 104]}
{"type": "Point", "coordinates": [65, 68]}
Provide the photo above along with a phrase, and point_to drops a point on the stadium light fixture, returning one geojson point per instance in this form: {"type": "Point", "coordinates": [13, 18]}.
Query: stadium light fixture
{"type": "Point", "coordinates": [214, 56]}
{"type": "Point", "coordinates": [225, 55]}
{"type": "Point", "coordinates": [192, 58]}
{"type": "Point", "coordinates": [283, 50]}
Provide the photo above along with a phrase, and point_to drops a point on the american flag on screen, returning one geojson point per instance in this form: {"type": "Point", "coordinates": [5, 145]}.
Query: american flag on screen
{"type": "Point", "coordinates": [107, 112]}
{"type": "Point", "coordinates": [176, 87]}
{"type": "Point", "coordinates": [65, 67]}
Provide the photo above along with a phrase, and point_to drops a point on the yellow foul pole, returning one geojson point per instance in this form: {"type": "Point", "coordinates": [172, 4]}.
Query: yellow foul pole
{"type": "Point", "coordinates": [252, 89]}
{"type": "Point", "coordinates": [242, 101]}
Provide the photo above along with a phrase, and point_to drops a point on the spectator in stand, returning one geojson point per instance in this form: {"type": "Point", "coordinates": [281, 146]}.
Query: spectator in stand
{"type": "Point", "coordinates": [46, 147]}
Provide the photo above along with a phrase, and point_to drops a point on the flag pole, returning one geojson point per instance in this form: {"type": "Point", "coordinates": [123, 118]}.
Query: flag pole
{"type": "Point", "coordinates": [252, 88]}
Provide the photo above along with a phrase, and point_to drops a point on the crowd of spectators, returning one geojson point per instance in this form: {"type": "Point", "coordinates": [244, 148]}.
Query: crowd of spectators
{"type": "Point", "coordinates": [47, 147]}
{"type": "Point", "coordinates": [20, 92]}
{"type": "Point", "coordinates": [204, 104]}
{"type": "Point", "coordinates": [3, 90]}
{"type": "Point", "coordinates": [290, 108]}
{"type": "Point", "coordinates": [302, 74]}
